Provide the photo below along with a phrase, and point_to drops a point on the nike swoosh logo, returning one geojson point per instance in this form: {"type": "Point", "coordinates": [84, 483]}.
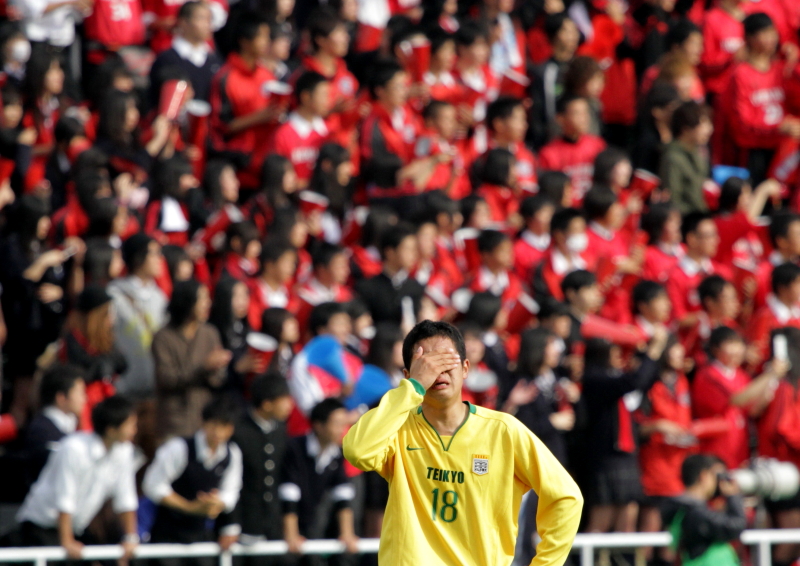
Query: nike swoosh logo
{"type": "Point", "coordinates": [408, 447]}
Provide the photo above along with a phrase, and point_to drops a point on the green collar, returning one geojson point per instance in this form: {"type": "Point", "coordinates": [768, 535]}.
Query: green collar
{"type": "Point", "coordinates": [472, 411]}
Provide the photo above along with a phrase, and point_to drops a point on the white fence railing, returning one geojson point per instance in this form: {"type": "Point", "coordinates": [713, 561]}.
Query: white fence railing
{"type": "Point", "coordinates": [585, 543]}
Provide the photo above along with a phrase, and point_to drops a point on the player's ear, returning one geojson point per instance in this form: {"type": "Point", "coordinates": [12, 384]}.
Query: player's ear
{"type": "Point", "coordinates": [406, 374]}
{"type": "Point", "coordinates": [465, 367]}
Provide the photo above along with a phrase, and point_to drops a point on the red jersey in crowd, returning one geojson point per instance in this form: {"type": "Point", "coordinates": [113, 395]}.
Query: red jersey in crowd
{"type": "Point", "coordinates": [313, 293]}
{"type": "Point", "coordinates": [683, 281]}
{"type": "Point", "coordinates": [723, 36]}
{"type": "Point", "coordinates": [387, 140]}
{"type": "Point", "coordinates": [167, 220]}
{"type": "Point", "coordinates": [168, 10]}
{"type": "Point", "coordinates": [212, 235]}
{"type": "Point", "coordinates": [444, 87]}
{"type": "Point", "coordinates": [660, 260]}
{"type": "Point", "coordinates": [263, 297]}
{"type": "Point", "coordinates": [299, 140]}
{"type": "Point", "coordinates": [660, 457]}
{"type": "Point", "coordinates": [712, 389]}
{"type": "Point", "coordinates": [773, 315]}
{"type": "Point", "coordinates": [481, 86]}
{"type": "Point", "coordinates": [115, 23]}
{"type": "Point", "coordinates": [505, 284]}
{"type": "Point", "coordinates": [529, 250]}
{"type": "Point", "coordinates": [574, 158]}
{"type": "Point", "coordinates": [524, 160]}
{"type": "Point", "coordinates": [239, 90]}
{"type": "Point", "coordinates": [779, 426]}
{"type": "Point", "coordinates": [756, 106]}
{"type": "Point", "coordinates": [763, 276]}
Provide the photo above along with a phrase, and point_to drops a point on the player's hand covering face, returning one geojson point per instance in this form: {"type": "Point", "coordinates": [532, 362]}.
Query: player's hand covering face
{"type": "Point", "coordinates": [437, 366]}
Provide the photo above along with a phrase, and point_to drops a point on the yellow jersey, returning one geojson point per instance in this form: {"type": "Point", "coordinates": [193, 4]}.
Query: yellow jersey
{"type": "Point", "coordinates": [455, 500]}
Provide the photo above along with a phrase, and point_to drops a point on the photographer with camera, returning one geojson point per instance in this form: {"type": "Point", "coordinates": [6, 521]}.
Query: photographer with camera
{"type": "Point", "coordinates": [700, 534]}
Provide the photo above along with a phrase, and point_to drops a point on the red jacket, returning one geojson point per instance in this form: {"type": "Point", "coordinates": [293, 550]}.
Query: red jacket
{"type": "Point", "coordinates": [723, 36]}
{"type": "Point", "coordinates": [299, 140]}
{"type": "Point", "coordinates": [387, 140]}
{"type": "Point", "coordinates": [712, 390]}
{"type": "Point", "coordinates": [756, 106]}
{"type": "Point", "coordinates": [313, 293]}
{"type": "Point", "coordinates": [212, 235]}
{"type": "Point", "coordinates": [116, 23]}
{"type": "Point", "coordinates": [263, 297]}
{"type": "Point", "coordinates": [659, 261]}
{"type": "Point", "coordinates": [769, 317]}
{"type": "Point", "coordinates": [529, 251]}
{"type": "Point", "coordinates": [779, 426]}
{"type": "Point", "coordinates": [683, 281]}
{"type": "Point", "coordinates": [659, 459]}
{"type": "Point", "coordinates": [576, 159]}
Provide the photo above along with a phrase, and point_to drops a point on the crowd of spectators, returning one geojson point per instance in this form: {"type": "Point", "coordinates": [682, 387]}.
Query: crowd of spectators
{"type": "Point", "coordinates": [219, 220]}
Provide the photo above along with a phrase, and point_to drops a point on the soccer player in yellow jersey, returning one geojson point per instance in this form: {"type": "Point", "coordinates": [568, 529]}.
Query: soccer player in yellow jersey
{"type": "Point", "coordinates": [457, 472]}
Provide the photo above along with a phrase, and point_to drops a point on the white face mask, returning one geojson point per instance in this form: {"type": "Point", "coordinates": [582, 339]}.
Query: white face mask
{"type": "Point", "coordinates": [20, 52]}
{"type": "Point", "coordinates": [577, 243]}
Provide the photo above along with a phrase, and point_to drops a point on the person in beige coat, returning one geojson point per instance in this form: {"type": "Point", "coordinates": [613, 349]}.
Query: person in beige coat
{"type": "Point", "coordinates": [189, 361]}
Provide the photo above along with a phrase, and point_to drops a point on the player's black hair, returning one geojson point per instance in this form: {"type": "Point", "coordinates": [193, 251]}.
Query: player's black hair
{"type": "Point", "coordinates": [273, 249]}
{"type": "Point", "coordinates": [489, 240]}
{"type": "Point", "coordinates": [321, 23]}
{"type": "Point", "coordinates": [430, 329]}
{"type": "Point", "coordinates": [692, 221]}
{"type": "Point", "coordinates": [268, 387]}
{"type": "Point", "coordinates": [696, 464]}
{"type": "Point", "coordinates": [483, 309]}
{"type": "Point", "coordinates": [653, 220]}
{"type": "Point", "coordinates": [553, 24]}
{"type": "Point", "coordinates": [552, 185]}
{"type": "Point", "coordinates": [563, 102]}
{"type": "Point", "coordinates": [307, 82]}
{"type": "Point", "coordinates": [324, 253]}
{"type": "Point", "coordinates": [382, 72]}
{"type": "Point", "coordinates": [323, 410]}
{"type": "Point", "coordinates": [562, 219]}
{"type": "Point", "coordinates": [577, 280]}
{"type": "Point", "coordinates": [501, 109]}
{"type": "Point", "coordinates": [679, 32]}
{"type": "Point", "coordinates": [720, 335]}
{"type": "Point", "coordinates": [495, 167]}
{"type": "Point", "coordinates": [224, 411]}
{"type": "Point", "coordinates": [784, 275]}
{"type": "Point", "coordinates": [322, 314]}
{"type": "Point", "coordinates": [779, 225]}
{"type": "Point", "coordinates": [711, 288]}
{"type": "Point", "coordinates": [59, 378]}
{"type": "Point", "coordinates": [111, 413]}
{"type": "Point", "coordinates": [394, 236]}
{"type": "Point", "coordinates": [470, 32]}
{"type": "Point", "coordinates": [646, 291]}
{"type": "Point", "coordinates": [531, 205]}
{"type": "Point", "coordinates": [598, 201]}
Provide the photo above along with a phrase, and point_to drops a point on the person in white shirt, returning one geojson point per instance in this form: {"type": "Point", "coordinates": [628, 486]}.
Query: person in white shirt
{"type": "Point", "coordinates": [86, 470]}
{"type": "Point", "coordinates": [197, 478]}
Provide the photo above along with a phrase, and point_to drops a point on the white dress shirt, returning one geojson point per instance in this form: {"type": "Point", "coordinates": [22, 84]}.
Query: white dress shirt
{"type": "Point", "coordinates": [57, 27]}
{"type": "Point", "coordinates": [171, 461]}
{"type": "Point", "coordinates": [78, 478]}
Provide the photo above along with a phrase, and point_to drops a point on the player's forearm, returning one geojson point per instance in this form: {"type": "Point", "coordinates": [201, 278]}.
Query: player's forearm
{"type": "Point", "coordinates": [368, 441]}
{"type": "Point", "coordinates": [346, 527]}
{"type": "Point", "coordinates": [65, 533]}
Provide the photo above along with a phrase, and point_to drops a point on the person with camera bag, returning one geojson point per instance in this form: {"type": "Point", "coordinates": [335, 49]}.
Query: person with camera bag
{"type": "Point", "coordinates": [701, 534]}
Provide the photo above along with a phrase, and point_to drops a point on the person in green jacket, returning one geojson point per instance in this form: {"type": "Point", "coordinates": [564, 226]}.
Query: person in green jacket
{"type": "Point", "coordinates": [685, 163]}
{"type": "Point", "coordinates": [702, 535]}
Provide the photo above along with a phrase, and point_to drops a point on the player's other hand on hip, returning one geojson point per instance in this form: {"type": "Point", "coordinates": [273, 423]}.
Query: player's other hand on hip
{"type": "Point", "coordinates": [427, 367]}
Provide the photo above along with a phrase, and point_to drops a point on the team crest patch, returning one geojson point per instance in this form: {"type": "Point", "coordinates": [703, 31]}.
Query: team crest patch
{"type": "Point", "coordinates": [480, 464]}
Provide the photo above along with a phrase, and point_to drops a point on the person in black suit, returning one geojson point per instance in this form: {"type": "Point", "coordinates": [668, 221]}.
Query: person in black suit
{"type": "Point", "coordinates": [393, 295]}
{"type": "Point", "coordinates": [261, 436]}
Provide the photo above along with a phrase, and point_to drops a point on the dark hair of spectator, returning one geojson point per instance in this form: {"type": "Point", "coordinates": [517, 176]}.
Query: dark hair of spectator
{"type": "Point", "coordinates": [212, 187]}
{"type": "Point", "coordinates": [646, 291]}
{"type": "Point", "coordinates": [135, 250]}
{"type": "Point", "coordinates": [720, 335]}
{"type": "Point", "coordinates": [394, 236]}
{"type": "Point", "coordinates": [430, 329]}
{"type": "Point", "coordinates": [432, 11]}
{"type": "Point", "coordinates": [483, 310]}
{"type": "Point", "coordinates": [470, 32]}
{"type": "Point", "coordinates": [553, 24]}
{"type": "Point", "coordinates": [755, 23]}
{"type": "Point", "coordinates": [439, 38]}
{"type": "Point", "coordinates": [324, 253]}
{"type": "Point", "coordinates": [688, 116]}
{"type": "Point", "coordinates": [325, 180]}
{"type": "Point", "coordinates": [103, 79]}
{"type": "Point", "coordinates": [552, 184]}
{"type": "Point", "coordinates": [97, 260]}
{"type": "Point", "coordinates": [563, 102]}
{"type": "Point", "coordinates": [88, 184]}
{"type": "Point", "coordinates": [245, 231]}
{"type": "Point", "coordinates": [221, 314]}
{"type": "Point", "coordinates": [356, 309]}
{"type": "Point", "coordinates": [268, 387]}
{"type": "Point", "coordinates": [111, 124]}
{"type": "Point", "coordinates": [436, 203]}
{"type": "Point", "coordinates": [68, 128]}
{"type": "Point", "coordinates": [598, 201]}
{"type": "Point", "coordinates": [322, 314]}
{"type": "Point", "coordinates": [679, 32]}
{"type": "Point", "coordinates": [222, 411]}
{"type": "Point", "coordinates": [307, 82]}
{"type": "Point", "coordinates": [382, 72]}
{"type": "Point", "coordinates": [432, 109]}
{"type": "Point", "coordinates": [730, 193]}
{"type": "Point", "coordinates": [101, 217]}
{"type": "Point", "coordinates": [696, 464]}
{"type": "Point", "coordinates": [41, 61]}
{"type": "Point", "coordinates": [11, 95]}
{"type": "Point", "coordinates": [551, 308]}
{"type": "Point", "coordinates": [784, 276]}
{"type": "Point", "coordinates": [323, 410]}
{"type": "Point", "coordinates": [272, 321]}
{"type": "Point", "coordinates": [691, 222]}
{"type": "Point", "coordinates": [605, 162]}
{"type": "Point", "coordinates": [780, 224]}
{"type": "Point", "coordinates": [562, 219]}
{"type": "Point", "coordinates": [711, 288]}
{"type": "Point", "coordinates": [59, 378]}
{"type": "Point", "coordinates": [111, 413]}
{"type": "Point", "coordinates": [381, 348]}
{"type": "Point", "coordinates": [273, 172]}
{"type": "Point", "coordinates": [378, 221]}
{"type": "Point", "coordinates": [29, 212]}
{"type": "Point", "coordinates": [531, 351]}
{"type": "Point", "coordinates": [321, 23]}
{"type": "Point", "coordinates": [187, 9]}
{"type": "Point", "coordinates": [598, 354]}
{"type": "Point", "coordinates": [495, 167]}
{"type": "Point", "coordinates": [181, 305]}
{"type": "Point", "coordinates": [580, 71]}
{"type": "Point", "coordinates": [531, 205]}
{"type": "Point", "coordinates": [174, 256]}
{"type": "Point", "coordinates": [501, 109]}
{"type": "Point", "coordinates": [654, 219]}
{"type": "Point", "coordinates": [662, 95]}
{"type": "Point", "coordinates": [490, 240]}
{"type": "Point", "coordinates": [167, 177]}
{"type": "Point", "coordinates": [469, 205]}
{"type": "Point", "coordinates": [247, 27]}
{"type": "Point", "coordinates": [664, 363]}
{"type": "Point", "coordinates": [273, 249]}
{"type": "Point", "coordinates": [577, 280]}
